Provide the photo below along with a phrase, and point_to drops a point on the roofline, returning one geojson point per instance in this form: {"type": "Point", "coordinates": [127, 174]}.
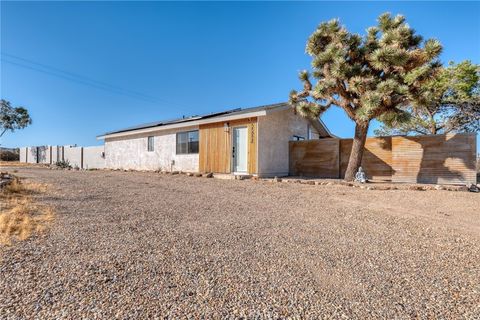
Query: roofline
{"type": "Point", "coordinates": [223, 118]}
{"type": "Point", "coordinates": [326, 128]}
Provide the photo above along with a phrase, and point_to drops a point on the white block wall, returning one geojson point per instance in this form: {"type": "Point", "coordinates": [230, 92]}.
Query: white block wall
{"type": "Point", "coordinates": [73, 155]}
{"type": "Point", "coordinates": [23, 154]}
{"type": "Point", "coordinates": [131, 152]}
{"type": "Point", "coordinates": [94, 157]}
{"type": "Point", "coordinates": [44, 154]}
{"type": "Point", "coordinates": [32, 154]}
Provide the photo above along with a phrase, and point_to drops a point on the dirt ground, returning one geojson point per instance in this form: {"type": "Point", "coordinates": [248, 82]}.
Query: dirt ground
{"type": "Point", "coordinates": [146, 245]}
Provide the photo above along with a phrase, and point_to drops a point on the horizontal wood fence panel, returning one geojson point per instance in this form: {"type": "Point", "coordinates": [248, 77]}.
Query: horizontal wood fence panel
{"type": "Point", "coordinates": [315, 158]}
{"type": "Point", "coordinates": [377, 157]}
{"type": "Point", "coordinates": [442, 159]}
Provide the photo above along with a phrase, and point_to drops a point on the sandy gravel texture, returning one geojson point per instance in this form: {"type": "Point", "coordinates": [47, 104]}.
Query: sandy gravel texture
{"type": "Point", "coordinates": [145, 245]}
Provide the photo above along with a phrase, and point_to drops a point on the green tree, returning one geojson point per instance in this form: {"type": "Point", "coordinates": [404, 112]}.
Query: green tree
{"type": "Point", "coordinates": [12, 118]}
{"type": "Point", "coordinates": [370, 77]}
{"type": "Point", "coordinates": [448, 103]}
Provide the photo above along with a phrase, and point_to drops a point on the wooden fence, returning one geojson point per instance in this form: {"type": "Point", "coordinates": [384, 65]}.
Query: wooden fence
{"type": "Point", "coordinates": [443, 159]}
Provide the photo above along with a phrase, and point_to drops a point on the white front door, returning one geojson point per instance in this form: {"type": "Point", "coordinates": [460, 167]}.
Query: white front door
{"type": "Point", "coordinates": [239, 150]}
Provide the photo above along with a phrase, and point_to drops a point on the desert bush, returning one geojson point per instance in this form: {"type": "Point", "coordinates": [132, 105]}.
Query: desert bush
{"type": "Point", "coordinates": [7, 155]}
{"type": "Point", "coordinates": [64, 164]}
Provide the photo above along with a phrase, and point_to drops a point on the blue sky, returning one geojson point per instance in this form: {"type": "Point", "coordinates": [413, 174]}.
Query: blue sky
{"type": "Point", "coordinates": [84, 68]}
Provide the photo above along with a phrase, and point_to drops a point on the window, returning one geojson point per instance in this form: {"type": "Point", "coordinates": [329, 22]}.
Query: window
{"type": "Point", "coordinates": [298, 138]}
{"type": "Point", "coordinates": [187, 142]}
{"type": "Point", "coordinates": [150, 144]}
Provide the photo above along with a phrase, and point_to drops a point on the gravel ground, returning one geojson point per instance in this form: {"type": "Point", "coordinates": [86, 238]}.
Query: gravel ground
{"type": "Point", "coordinates": [145, 245]}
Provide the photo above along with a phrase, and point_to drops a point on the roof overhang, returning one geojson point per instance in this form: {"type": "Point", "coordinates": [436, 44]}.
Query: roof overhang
{"type": "Point", "coordinates": [225, 118]}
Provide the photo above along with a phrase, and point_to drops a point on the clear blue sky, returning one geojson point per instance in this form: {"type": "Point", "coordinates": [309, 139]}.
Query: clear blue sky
{"type": "Point", "coordinates": [147, 61]}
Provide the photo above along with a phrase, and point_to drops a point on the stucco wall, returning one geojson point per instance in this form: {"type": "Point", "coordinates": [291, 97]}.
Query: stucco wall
{"type": "Point", "coordinates": [32, 154]}
{"type": "Point", "coordinates": [274, 132]}
{"type": "Point", "coordinates": [23, 154]}
{"type": "Point", "coordinates": [93, 157]}
{"type": "Point", "coordinates": [56, 153]}
{"type": "Point", "coordinates": [44, 154]}
{"type": "Point", "coordinates": [131, 153]}
{"type": "Point", "coordinates": [73, 155]}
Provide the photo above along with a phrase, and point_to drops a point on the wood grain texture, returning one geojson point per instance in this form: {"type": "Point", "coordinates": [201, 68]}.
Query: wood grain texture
{"type": "Point", "coordinates": [377, 157]}
{"type": "Point", "coordinates": [442, 159]}
{"type": "Point", "coordinates": [215, 149]}
{"type": "Point", "coordinates": [314, 158]}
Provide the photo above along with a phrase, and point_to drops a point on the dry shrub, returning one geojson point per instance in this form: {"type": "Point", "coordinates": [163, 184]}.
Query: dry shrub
{"type": "Point", "coordinates": [20, 215]}
{"type": "Point", "coordinates": [19, 188]}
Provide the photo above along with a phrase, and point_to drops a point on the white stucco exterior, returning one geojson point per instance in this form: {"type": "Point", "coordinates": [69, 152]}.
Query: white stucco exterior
{"type": "Point", "coordinates": [274, 132]}
{"type": "Point", "coordinates": [131, 152]}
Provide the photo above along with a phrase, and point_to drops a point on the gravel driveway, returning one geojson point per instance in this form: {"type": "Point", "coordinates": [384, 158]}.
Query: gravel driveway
{"type": "Point", "coordinates": [145, 245]}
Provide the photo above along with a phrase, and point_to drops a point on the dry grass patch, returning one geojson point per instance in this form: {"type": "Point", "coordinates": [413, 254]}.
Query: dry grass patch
{"type": "Point", "coordinates": [20, 215]}
{"type": "Point", "coordinates": [16, 164]}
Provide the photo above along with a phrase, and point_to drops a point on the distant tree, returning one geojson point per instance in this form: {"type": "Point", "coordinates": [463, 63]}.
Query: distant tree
{"type": "Point", "coordinates": [12, 118]}
{"type": "Point", "coordinates": [448, 103]}
{"type": "Point", "coordinates": [370, 77]}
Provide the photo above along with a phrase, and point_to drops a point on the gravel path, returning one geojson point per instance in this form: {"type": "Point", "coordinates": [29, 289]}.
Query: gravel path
{"type": "Point", "coordinates": [145, 245]}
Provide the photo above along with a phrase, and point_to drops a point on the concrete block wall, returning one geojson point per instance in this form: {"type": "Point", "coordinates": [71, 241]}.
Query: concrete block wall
{"type": "Point", "coordinates": [81, 157]}
{"type": "Point", "coordinates": [23, 154]}
{"type": "Point", "coordinates": [31, 154]}
{"type": "Point", "coordinates": [56, 153]}
{"type": "Point", "coordinates": [43, 154]}
{"type": "Point", "coordinates": [94, 157]}
{"type": "Point", "coordinates": [73, 155]}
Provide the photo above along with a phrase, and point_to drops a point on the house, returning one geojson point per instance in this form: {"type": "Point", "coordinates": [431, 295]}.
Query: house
{"type": "Point", "coordinates": [252, 141]}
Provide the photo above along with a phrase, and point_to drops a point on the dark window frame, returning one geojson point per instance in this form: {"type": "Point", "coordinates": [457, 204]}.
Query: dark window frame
{"type": "Point", "coordinates": [187, 146]}
{"type": "Point", "coordinates": [151, 143]}
{"type": "Point", "coordinates": [298, 138]}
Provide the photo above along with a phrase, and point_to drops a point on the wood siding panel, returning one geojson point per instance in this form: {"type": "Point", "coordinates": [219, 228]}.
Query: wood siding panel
{"type": "Point", "coordinates": [215, 150]}
{"type": "Point", "coordinates": [377, 157]}
{"type": "Point", "coordinates": [442, 159]}
{"type": "Point", "coordinates": [314, 158]}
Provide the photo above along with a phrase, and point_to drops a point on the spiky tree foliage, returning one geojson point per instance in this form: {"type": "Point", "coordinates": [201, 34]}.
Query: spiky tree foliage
{"type": "Point", "coordinates": [12, 118]}
{"type": "Point", "coordinates": [369, 77]}
{"type": "Point", "coordinates": [448, 103]}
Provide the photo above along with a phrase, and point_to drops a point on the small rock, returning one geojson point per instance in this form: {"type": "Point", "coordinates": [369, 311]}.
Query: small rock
{"type": "Point", "coordinates": [198, 174]}
{"type": "Point", "coordinates": [310, 182]}
{"type": "Point", "coordinates": [189, 174]}
{"type": "Point", "coordinates": [277, 179]}
{"type": "Point", "coordinates": [416, 188]}
{"type": "Point", "coordinates": [175, 172]}
{"type": "Point", "coordinates": [208, 175]}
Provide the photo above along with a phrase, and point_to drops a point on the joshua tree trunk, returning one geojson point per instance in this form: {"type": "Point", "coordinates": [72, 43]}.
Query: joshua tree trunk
{"type": "Point", "coordinates": [361, 129]}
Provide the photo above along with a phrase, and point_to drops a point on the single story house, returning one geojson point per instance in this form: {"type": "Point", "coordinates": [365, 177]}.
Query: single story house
{"type": "Point", "coordinates": [252, 141]}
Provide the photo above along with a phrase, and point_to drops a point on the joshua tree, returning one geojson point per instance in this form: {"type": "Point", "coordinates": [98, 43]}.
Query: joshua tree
{"type": "Point", "coordinates": [448, 103]}
{"type": "Point", "coordinates": [370, 77]}
{"type": "Point", "coordinates": [12, 118]}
